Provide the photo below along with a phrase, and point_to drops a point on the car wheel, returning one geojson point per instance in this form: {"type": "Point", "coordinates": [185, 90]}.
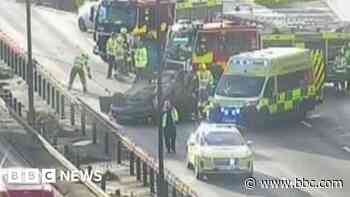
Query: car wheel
{"type": "Point", "coordinates": [82, 25]}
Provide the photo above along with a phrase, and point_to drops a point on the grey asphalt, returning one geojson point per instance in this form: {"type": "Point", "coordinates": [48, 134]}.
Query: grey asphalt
{"type": "Point", "coordinates": [341, 7]}
{"type": "Point", "coordinates": [312, 149]}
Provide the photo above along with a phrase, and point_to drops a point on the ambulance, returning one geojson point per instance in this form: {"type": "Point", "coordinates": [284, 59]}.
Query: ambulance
{"type": "Point", "coordinates": [268, 84]}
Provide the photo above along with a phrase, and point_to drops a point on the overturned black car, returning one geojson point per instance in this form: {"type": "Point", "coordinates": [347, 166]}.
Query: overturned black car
{"type": "Point", "coordinates": [139, 104]}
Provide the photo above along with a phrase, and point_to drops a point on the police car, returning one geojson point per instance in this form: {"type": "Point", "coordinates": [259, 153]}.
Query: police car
{"type": "Point", "coordinates": [219, 149]}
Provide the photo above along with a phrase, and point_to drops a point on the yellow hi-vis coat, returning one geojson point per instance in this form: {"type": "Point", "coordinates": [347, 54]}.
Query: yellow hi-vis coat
{"type": "Point", "coordinates": [141, 58]}
{"type": "Point", "coordinates": [205, 78]}
{"type": "Point", "coordinates": [174, 115]}
{"type": "Point", "coordinates": [111, 46]}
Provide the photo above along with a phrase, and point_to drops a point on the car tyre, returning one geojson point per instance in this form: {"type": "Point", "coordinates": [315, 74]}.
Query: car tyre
{"type": "Point", "coordinates": [82, 25]}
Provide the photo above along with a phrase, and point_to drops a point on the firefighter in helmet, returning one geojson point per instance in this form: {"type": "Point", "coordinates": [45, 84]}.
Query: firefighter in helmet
{"type": "Point", "coordinates": [205, 84]}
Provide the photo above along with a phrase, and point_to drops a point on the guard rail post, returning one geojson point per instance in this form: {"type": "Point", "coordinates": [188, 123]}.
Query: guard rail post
{"type": "Point", "coordinates": [35, 77]}
{"type": "Point", "coordinates": [103, 182]}
{"type": "Point", "coordinates": [44, 88]}
{"type": "Point", "coordinates": [77, 157]}
{"type": "Point", "coordinates": [2, 52]}
{"type": "Point", "coordinates": [15, 60]}
{"type": "Point", "coordinates": [94, 132]}
{"type": "Point", "coordinates": [24, 69]}
{"type": "Point", "coordinates": [19, 67]}
{"type": "Point", "coordinates": [72, 114]}
{"type": "Point", "coordinates": [132, 163]}
{"type": "Point", "coordinates": [15, 104]}
{"type": "Point", "coordinates": [14, 57]}
{"type": "Point", "coordinates": [10, 100]}
{"type": "Point", "coordinates": [63, 116]}
{"type": "Point", "coordinates": [6, 53]}
{"type": "Point", "coordinates": [151, 180]}
{"type": "Point", "coordinates": [138, 168]}
{"type": "Point", "coordinates": [20, 109]}
{"type": "Point", "coordinates": [119, 151]}
{"type": "Point", "coordinates": [106, 143]}
{"type": "Point", "coordinates": [1, 48]}
{"type": "Point", "coordinates": [58, 103]}
{"type": "Point", "coordinates": [65, 150]}
{"type": "Point", "coordinates": [53, 97]}
{"type": "Point", "coordinates": [16, 66]}
{"type": "Point", "coordinates": [9, 61]}
{"type": "Point", "coordinates": [144, 173]}
{"type": "Point", "coordinates": [48, 95]}
{"type": "Point", "coordinates": [39, 85]}
{"type": "Point", "coordinates": [83, 121]}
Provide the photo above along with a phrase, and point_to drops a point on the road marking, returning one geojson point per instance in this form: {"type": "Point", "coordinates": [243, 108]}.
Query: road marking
{"type": "Point", "coordinates": [306, 124]}
{"type": "Point", "coordinates": [314, 116]}
{"type": "Point", "coordinates": [346, 149]}
{"type": "Point", "coordinates": [4, 159]}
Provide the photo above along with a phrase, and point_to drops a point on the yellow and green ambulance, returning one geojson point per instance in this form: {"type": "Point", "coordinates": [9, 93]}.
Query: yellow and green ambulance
{"type": "Point", "coordinates": [262, 85]}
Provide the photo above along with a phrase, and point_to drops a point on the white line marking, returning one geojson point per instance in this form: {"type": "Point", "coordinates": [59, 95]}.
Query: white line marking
{"type": "Point", "coordinates": [314, 116]}
{"type": "Point", "coordinates": [3, 159]}
{"type": "Point", "coordinates": [346, 148]}
{"type": "Point", "coordinates": [306, 124]}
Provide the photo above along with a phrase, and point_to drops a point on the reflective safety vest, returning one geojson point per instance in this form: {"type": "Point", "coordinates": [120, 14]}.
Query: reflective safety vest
{"type": "Point", "coordinates": [141, 58]}
{"type": "Point", "coordinates": [119, 50]}
{"type": "Point", "coordinates": [111, 46]}
{"type": "Point", "coordinates": [205, 78]}
{"type": "Point", "coordinates": [174, 115]}
{"type": "Point", "coordinates": [80, 62]}
{"type": "Point", "coordinates": [207, 58]}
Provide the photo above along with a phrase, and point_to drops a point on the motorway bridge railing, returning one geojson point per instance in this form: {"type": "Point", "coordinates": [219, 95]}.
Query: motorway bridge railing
{"type": "Point", "coordinates": [69, 108]}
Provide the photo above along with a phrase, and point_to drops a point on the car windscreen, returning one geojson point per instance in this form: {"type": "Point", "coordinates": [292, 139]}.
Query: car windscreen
{"type": "Point", "coordinates": [240, 86]}
{"type": "Point", "coordinates": [222, 138]}
{"type": "Point", "coordinates": [179, 47]}
{"type": "Point", "coordinates": [122, 14]}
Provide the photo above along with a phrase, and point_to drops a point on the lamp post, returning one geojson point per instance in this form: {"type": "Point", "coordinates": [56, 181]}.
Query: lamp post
{"type": "Point", "coordinates": [31, 112]}
{"type": "Point", "coordinates": [160, 179]}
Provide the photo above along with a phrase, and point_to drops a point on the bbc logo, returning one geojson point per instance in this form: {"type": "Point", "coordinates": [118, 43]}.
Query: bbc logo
{"type": "Point", "coordinates": [28, 175]}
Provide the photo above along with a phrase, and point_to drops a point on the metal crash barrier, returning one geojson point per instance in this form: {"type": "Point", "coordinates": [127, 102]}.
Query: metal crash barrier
{"type": "Point", "coordinates": [78, 114]}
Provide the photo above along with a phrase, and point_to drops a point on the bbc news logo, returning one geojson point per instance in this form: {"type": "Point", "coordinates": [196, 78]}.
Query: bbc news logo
{"type": "Point", "coordinates": [43, 176]}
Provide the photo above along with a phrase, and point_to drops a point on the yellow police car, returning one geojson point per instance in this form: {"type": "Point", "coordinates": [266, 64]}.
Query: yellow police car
{"type": "Point", "coordinates": [219, 149]}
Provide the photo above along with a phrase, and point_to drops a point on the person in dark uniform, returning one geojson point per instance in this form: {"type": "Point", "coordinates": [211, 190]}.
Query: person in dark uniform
{"type": "Point", "coordinates": [169, 119]}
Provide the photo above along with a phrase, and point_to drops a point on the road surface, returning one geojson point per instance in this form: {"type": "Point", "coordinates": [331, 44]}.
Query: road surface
{"type": "Point", "coordinates": [309, 149]}
{"type": "Point", "coordinates": [341, 7]}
